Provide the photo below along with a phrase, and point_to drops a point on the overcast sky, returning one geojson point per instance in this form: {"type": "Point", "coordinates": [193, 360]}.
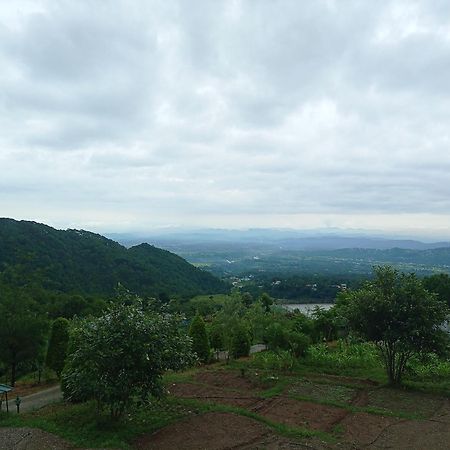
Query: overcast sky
{"type": "Point", "coordinates": [129, 115]}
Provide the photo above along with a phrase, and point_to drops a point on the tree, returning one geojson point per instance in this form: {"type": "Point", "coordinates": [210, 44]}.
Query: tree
{"type": "Point", "coordinates": [247, 299]}
{"type": "Point", "coordinates": [267, 301]}
{"type": "Point", "coordinates": [228, 319]}
{"type": "Point", "coordinates": [22, 331]}
{"type": "Point", "coordinates": [258, 320]}
{"type": "Point", "coordinates": [122, 355]}
{"type": "Point", "coordinates": [399, 315]}
{"type": "Point", "coordinates": [200, 341]}
{"type": "Point", "coordinates": [240, 342]}
{"type": "Point", "coordinates": [325, 323]}
{"type": "Point", "coordinates": [439, 284]}
{"type": "Point", "coordinates": [57, 346]}
{"type": "Point", "coordinates": [285, 335]}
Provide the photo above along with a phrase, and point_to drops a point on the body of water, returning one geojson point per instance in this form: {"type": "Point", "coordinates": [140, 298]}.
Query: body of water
{"type": "Point", "coordinates": [307, 308]}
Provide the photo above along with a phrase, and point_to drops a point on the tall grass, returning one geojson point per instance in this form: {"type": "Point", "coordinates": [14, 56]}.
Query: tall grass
{"type": "Point", "coordinates": [343, 356]}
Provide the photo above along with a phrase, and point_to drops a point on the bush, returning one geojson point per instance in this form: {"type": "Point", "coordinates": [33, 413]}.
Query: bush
{"type": "Point", "coordinates": [120, 357]}
{"type": "Point", "coordinates": [278, 338]}
{"type": "Point", "coordinates": [430, 367]}
{"type": "Point", "coordinates": [298, 343]}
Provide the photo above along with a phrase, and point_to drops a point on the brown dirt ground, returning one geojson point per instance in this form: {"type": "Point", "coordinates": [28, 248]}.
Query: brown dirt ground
{"type": "Point", "coordinates": [353, 430]}
{"type": "Point", "coordinates": [212, 431]}
{"type": "Point", "coordinates": [31, 439]}
{"type": "Point", "coordinates": [398, 400]}
{"type": "Point", "coordinates": [361, 428]}
{"type": "Point", "coordinates": [214, 394]}
{"type": "Point", "coordinates": [226, 379]}
{"type": "Point", "coordinates": [301, 414]}
{"type": "Point", "coordinates": [220, 431]}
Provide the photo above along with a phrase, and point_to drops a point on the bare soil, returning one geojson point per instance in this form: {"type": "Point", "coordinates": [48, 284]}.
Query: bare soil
{"type": "Point", "coordinates": [212, 431]}
{"type": "Point", "coordinates": [220, 431]}
{"type": "Point", "coordinates": [226, 379]}
{"type": "Point", "coordinates": [214, 394]}
{"type": "Point", "coordinates": [223, 430]}
{"type": "Point", "coordinates": [351, 430]}
{"type": "Point", "coordinates": [300, 414]}
{"type": "Point", "coordinates": [31, 439]}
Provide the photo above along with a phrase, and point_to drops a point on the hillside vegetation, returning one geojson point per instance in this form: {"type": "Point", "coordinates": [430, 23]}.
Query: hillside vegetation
{"type": "Point", "coordinates": [81, 262]}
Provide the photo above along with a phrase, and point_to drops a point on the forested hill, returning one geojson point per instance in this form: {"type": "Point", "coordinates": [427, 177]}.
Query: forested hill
{"type": "Point", "coordinates": [76, 261]}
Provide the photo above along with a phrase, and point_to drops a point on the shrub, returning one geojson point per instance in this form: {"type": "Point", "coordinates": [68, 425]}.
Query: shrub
{"type": "Point", "coordinates": [120, 357]}
{"type": "Point", "coordinates": [298, 343]}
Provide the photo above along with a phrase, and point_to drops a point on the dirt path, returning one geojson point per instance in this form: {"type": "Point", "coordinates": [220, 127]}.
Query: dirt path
{"type": "Point", "coordinates": [31, 439]}
{"type": "Point", "coordinates": [36, 401]}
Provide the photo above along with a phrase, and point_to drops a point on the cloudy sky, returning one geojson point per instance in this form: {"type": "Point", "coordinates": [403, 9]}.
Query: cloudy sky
{"type": "Point", "coordinates": [129, 115]}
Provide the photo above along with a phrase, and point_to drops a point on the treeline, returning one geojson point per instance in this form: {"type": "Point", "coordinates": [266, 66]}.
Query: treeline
{"type": "Point", "coordinates": [307, 288]}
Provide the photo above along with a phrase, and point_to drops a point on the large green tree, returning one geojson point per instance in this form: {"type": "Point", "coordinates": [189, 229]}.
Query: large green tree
{"type": "Point", "coordinates": [123, 354]}
{"type": "Point", "coordinates": [439, 284]}
{"type": "Point", "coordinates": [397, 314]}
{"type": "Point", "coordinates": [22, 331]}
{"type": "Point", "coordinates": [57, 346]}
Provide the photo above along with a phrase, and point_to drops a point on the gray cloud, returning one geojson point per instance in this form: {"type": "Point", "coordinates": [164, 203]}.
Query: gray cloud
{"type": "Point", "coordinates": [241, 113]}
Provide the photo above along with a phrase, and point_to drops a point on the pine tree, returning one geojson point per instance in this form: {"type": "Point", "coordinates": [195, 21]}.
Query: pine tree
{"type": "Point", "coordinates": [200, 341]}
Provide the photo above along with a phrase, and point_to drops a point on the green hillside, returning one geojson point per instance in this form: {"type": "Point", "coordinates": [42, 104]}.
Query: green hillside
{"type": "Point", "coordinates": [77, 261]}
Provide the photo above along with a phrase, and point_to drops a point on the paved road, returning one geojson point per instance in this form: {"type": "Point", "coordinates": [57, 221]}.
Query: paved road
{"type": "Point", "coordinates": [35, 401]}
{"type": "Point", "coordinates": [256, 348]}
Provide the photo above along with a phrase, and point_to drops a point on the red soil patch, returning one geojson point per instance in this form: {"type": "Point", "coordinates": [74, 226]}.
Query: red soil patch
{"type": "Point", "coordinates": [362, 429]}
{"type": "Point", "coordinates": [361, 398]}
{"type": "Point", "coordinates": [213, 394]}
{"type": "Point", "coordinates": [301, 414]}
{"type": "Point", "coordinates": [414, 435]}
{"type": "Point", "coordinates": [226, 379]}
{"type": "Point", "coordinates": [212, 431]}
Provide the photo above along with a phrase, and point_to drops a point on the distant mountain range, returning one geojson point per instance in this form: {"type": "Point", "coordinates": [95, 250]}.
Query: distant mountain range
{"type": "Point", "coordinates": [78, 261]}
{"type": "Point", "coordinates": [230, 253]}
{"type": "Point", "coordinates": [275, 238]}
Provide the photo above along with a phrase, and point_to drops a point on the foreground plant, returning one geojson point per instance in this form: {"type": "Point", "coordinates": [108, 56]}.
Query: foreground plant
{"type": "Point", "coordinates": [121, 356]}
{"type": "Point", "coordinates": [400, 316]}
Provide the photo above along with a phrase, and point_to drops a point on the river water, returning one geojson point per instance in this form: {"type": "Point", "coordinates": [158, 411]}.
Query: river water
{"type": "Point", "coordinates": [307, 308]}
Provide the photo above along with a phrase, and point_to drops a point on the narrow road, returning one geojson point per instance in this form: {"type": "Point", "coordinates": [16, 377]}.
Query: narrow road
{"type": "Point", "coordinates": [256, 348]}
{"type": "Point", "coordinates": [35, 401]}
